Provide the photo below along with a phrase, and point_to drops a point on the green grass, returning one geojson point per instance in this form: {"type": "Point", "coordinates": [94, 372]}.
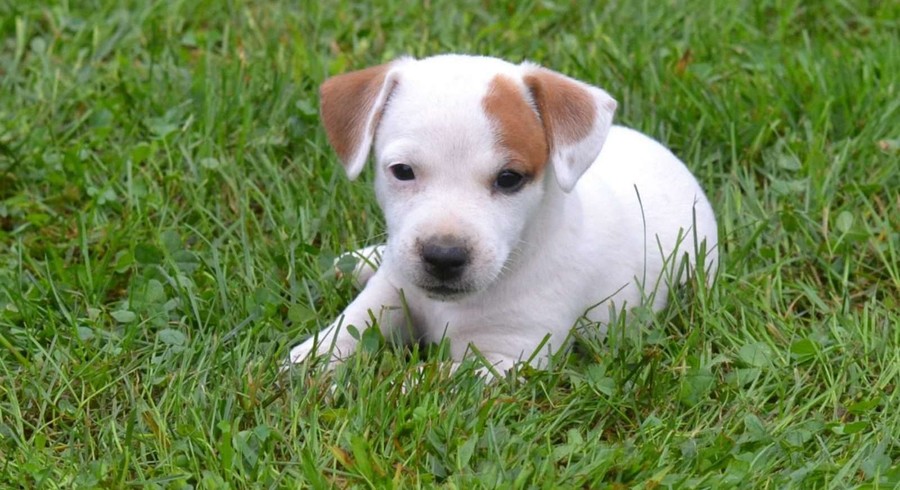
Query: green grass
{"type": "Point", "coordinates": [169, 210]}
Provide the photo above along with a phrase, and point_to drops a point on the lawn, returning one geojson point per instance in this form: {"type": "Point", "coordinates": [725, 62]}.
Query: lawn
{"type": "Point", "coordinates": [170, 210]}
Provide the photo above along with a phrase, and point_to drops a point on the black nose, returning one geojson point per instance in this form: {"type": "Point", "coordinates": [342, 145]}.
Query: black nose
{"type": "Point", "coordinates": [445, 258]}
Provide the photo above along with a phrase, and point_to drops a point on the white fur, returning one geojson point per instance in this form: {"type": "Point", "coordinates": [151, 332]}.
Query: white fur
{"type": "Point", "coordinates": [541, 258]}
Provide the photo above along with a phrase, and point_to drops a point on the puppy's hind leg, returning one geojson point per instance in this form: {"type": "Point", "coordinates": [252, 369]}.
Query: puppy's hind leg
{"type": "Point", "coordinates": [361, 264]}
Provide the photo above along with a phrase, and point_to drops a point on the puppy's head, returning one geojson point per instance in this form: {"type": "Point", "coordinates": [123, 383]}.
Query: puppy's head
{"type": "Point", "coordinates": [466, 151]}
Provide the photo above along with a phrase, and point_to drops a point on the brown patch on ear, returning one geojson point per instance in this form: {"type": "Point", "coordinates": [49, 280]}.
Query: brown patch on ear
{"type": "Point", "coordinates": [567, 110]}
{"type": "Point", "coordinates": [518, 128]}
{"type": "Point", "coordinates": [347, 101]}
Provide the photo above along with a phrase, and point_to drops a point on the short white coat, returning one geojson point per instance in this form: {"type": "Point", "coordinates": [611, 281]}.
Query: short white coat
{"type": "Point", "coordinates": [605, 218]}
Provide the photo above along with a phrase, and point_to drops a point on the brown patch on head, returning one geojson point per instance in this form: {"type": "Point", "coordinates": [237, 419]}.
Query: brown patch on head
{"type": "Point", "coordinates": [567, 110]}
{"type": "Point", "coordinates": [517, 126]}
{"type": "Point", "coordinates": [347, 101]}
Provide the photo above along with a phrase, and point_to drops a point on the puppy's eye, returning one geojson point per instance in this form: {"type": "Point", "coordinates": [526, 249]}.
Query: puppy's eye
{"type": "Point", "coordinates": [509, 181]}
{"type": "Point", "coordinates": [402, 171]}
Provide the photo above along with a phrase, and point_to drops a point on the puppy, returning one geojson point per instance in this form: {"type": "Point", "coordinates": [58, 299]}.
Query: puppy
{"type": "Point", "coordinates": [514, 208]}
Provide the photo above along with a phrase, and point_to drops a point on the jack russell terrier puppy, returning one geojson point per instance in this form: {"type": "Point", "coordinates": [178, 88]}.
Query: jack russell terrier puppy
{"type": "Point", "coordinates": [514, 208]}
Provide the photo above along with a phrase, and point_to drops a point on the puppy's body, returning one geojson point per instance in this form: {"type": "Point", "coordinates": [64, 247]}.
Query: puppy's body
{"type": "Point", "coordinates": [484, 263]}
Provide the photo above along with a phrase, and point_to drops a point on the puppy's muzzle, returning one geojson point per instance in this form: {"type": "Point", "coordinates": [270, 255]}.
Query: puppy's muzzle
{"type": "Point", "coordinates": [444, 258]}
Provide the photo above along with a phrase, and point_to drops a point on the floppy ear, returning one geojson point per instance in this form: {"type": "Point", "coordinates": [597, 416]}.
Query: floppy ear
{"type": "Point", "coordinates": [576, 118]}
{"type": "Point", "coordinates": [351, 106]}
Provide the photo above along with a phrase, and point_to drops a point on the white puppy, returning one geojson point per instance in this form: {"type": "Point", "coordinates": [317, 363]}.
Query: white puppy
{"type": "Point", "coordinates": [506, 222]}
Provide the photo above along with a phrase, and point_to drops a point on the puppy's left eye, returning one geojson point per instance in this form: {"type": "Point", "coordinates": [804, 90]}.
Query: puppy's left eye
{"type": "Point", "coordinates": [509, 181]}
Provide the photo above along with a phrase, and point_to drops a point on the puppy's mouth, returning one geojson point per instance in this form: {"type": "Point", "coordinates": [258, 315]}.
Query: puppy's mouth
{"type": "Point", "coordinates": [445, 292]}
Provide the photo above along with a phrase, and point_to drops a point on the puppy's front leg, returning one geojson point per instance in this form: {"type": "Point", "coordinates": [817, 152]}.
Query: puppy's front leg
{"type": "Point", "coordinates": [379, 301]}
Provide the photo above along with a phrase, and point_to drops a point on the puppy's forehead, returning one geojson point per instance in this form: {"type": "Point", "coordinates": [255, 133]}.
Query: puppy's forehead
{"type": "Point", "coordinates": [469, 105]}
{"type": "Point", "coordinates": [456, 73]}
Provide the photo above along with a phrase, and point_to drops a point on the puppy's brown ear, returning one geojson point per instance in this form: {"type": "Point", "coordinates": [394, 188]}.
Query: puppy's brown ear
{"type": "Point", "coordinates": [576, 118]}
{"type": "Point", "coordinates": [351, 106]}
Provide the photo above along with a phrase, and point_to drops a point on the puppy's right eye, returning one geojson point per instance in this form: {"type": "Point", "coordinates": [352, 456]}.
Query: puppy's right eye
{"type": "Point", "coordinates": [402, 171]}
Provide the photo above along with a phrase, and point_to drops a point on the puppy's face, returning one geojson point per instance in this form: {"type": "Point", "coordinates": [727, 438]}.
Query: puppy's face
{"type": "Point", "coordinates": [463, 150]}
{"type": "Point", "coordinates": [459, 177]}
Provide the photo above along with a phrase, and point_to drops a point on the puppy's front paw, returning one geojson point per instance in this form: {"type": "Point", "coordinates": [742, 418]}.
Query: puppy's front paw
{"type": "Point", "coordinates": [365, 263]}
{"type": "Point", "coordinates": [335, 343]}
{"type": "Point", "coordinates": [300, 353]}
